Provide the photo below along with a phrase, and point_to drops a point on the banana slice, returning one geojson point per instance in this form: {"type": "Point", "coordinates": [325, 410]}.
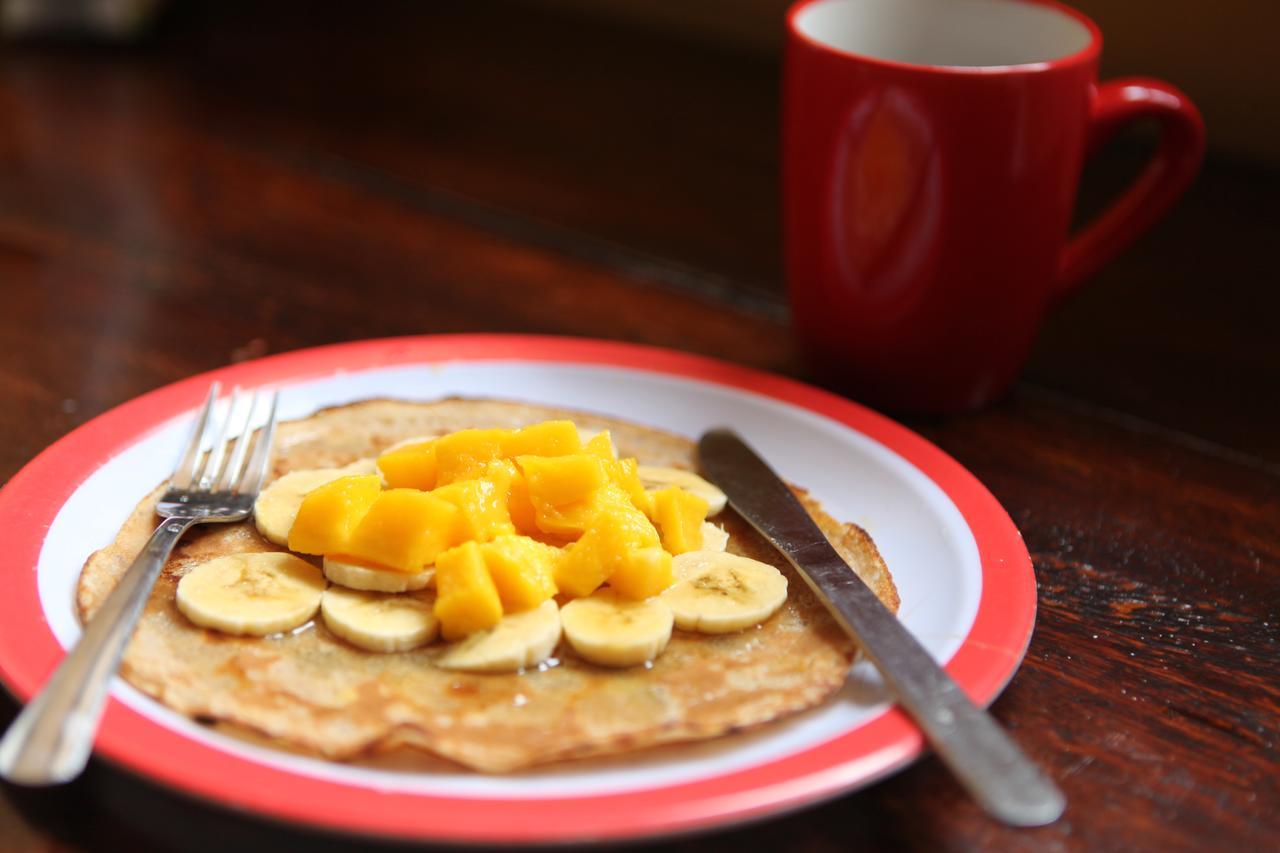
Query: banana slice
{"type": "Point", "coordinates": [655, 477]}
{"type": "Point", "coordinates": [359, 467]}
{"type": "Point", "coordinates": [256, 594]}
{"type": "Point", "coordinates": [277, 504]}
{"type": "Point", "coordinates": [610, 630]}
{"type": "Point", "coordinates": [519, 641]}
{"type": "Point", "coordinates": [716, 592]}
{"type": "Point", "coordinates": [353, 575]}
{"type": "Point", "coordinates": [714, 537]}
{"type": "Point", "coordinates": [380, 622]}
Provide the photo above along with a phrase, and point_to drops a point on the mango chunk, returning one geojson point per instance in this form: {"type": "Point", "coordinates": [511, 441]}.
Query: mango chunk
{"type": "Point", "coordinates": [643, 572]}
{"type": "Point", "coordinates": [410, 467]}
{"type": "Point", "coordinates": [622, 526]}
{"type": "Point", "coordinates": [522, 569]}
{"type": "Point", "coordinates": [500, 472]}
{"type": "Point", "coordinates": [519, 505]}
{"type": "Point", "coordinates": [465, 454]}
{"type": "Point", "coordinates": [601, 444]}
{"type": "Point", "coordinates": [584, 567]}
{"type": "Point", "coordinates": [679, 515]}
{"type": "Point", "coordinates": [625, 473]}
{"type": "Point", "coordinates": [561, 488]}
{"type": "Point", "coordinates": [549, 438]}
{"type": "Point", "coordinates": [404, 529]}
{"type": "Point", "coordinates": [566, 522]}
{"type": "Point", "coordinates": [467, 600]}
{"type": "Point", "coordinates": [562, 480]}
{"type": "Point", "coordinates": [329, 514]}
{"type": "Point", "coordinates": [615, 530]}
{"type": "Point", "coordinates": [482, 509]}
{"type": "Point", "coordinates": [639, 567]}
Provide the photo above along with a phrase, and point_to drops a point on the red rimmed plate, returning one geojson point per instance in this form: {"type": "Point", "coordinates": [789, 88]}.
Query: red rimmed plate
{"type": "Point", "coordinates": [964, 575]}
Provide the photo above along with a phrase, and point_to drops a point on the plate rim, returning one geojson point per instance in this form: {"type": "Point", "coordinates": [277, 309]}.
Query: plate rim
{"type": "Point", "coordinates": [984, 663]}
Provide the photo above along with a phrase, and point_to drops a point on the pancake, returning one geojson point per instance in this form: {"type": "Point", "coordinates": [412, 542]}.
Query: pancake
{"type": "Point", "coordinates": [309, 691]}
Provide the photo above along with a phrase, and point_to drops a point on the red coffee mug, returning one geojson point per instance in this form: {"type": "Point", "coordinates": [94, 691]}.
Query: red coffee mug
{"type": "Point", "coordinates": [931, 152]}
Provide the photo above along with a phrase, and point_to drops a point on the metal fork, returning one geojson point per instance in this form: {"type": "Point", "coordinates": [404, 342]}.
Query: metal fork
{"type": "Point", "coordinates": [50, 741]}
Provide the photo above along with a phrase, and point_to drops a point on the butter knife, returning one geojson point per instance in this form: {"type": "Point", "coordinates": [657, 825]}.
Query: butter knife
{"type": "Point", "coordinates": [984, 759]}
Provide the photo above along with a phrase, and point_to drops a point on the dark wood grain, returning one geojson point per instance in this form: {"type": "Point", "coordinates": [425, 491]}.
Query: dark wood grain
{"type": "Point", "coordinates": [254, 182]}
{"type": "Point", "coordinates": [670, 147]}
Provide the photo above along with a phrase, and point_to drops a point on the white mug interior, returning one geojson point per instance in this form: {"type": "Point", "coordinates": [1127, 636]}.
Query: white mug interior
{"type": "Point", "coordinates": [951, 33]}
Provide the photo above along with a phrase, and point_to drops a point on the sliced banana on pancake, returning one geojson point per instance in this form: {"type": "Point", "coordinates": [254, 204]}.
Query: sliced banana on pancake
{"type": "Point", "coordinates": [714, 537]}
{"type": "Point", "coordinates": [277, 504]}
{"type": "Point", "coordinates": [256, 594]}
{"type": "Point", "coordinates": [353, 575]}
{"type": "Point", "coordinates": [379, 621]}
{"type": "Point", "coordinates": [657, 477]}
{"type": "Point", "coordinates": [717, 592]}
{"type": "Point", "coordinates": [610, 630]}
{"type": "Point", "coordinates": [519, 641]}
{"type": "Point", "coordinates": [359, 467]}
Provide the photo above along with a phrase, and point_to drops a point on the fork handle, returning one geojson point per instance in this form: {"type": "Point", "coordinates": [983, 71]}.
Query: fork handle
{"type": "Point", "coordinates": [50, 741]}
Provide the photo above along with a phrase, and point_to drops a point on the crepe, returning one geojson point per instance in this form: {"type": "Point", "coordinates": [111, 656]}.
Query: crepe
{"type": "Point", "coordinates": [310, 691]}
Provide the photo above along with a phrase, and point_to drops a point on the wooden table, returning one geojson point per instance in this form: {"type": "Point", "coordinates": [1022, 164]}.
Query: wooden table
{"type": "Point", "coordinates": [239, 185]}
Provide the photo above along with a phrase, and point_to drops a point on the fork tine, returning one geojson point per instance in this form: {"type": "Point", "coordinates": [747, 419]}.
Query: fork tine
{"type": "Point", "coordinates": [256, 470]}
{"type": "Point", "coordinates": [213, 462]}
{"type": "Point", "coordinates": [231, 473]}
{"type": "Point", "coordinates": [186, 468]}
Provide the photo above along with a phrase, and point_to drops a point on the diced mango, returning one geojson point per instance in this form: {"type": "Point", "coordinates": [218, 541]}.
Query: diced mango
{"type": "Point", "coordinates": [561, 489]}
{"type": "Point", "coordinates": [482, 509]}
{"type": "Point", "coordinates": [520, 508]}
{"type": "Point", "coordinates": [642, 572]}
{"type": "Point", "coordinates": [615, 530]}
{"type": "Point", "coordinates": [467, 600]}
{"type": "Point", "coordinates": [410, 467]}
{"type": "Point", "coordinates": [562, 480]}
{"type": "Point", "coordinates": [500, 472]}
{"type": "Point", "coordinates": [679, 515]}
{"type": "Point", "coordinates": [465, 454]}
{"type": "Point", "coordinates": [625, 473]}
{"type": "Point", "coordinates": [405, 529]}
{"type": "Point", "coordinates": [601, 444]}
{"type": "Point", "coordinates": [622, 526]}
{"type": "Point", "coordinates": [510, 518]}
{"type": "Point", "coordinates": [549, 438]}
{"type": "Point", "coordinates": [522, 570]}
{"type": "Point", "coordinates": [329, 514]}
{"type": "Point", "coordinates": [584, 566]}
{"type": "Point", "coordinates": [566, 522]}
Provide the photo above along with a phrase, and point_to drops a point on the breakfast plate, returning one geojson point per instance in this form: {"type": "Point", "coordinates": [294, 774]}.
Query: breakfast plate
{"type": "Point", "coordinates": [962, 572]}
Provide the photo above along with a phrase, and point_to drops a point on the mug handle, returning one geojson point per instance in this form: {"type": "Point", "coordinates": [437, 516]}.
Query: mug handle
{"type": "Point", "coordinates": [1116, 103]}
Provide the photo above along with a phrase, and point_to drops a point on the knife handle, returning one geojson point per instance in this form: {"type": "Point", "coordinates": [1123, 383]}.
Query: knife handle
{"type": "Point", "coordinates": [983, 758]}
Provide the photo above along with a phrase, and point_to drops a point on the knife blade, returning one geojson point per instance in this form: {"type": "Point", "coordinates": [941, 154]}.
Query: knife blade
{"type": "Point", "coordinates": [967, 739]}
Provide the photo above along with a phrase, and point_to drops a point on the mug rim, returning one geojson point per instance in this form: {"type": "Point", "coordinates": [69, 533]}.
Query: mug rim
{"type": "Point", "coordinates": [1089, 52]}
